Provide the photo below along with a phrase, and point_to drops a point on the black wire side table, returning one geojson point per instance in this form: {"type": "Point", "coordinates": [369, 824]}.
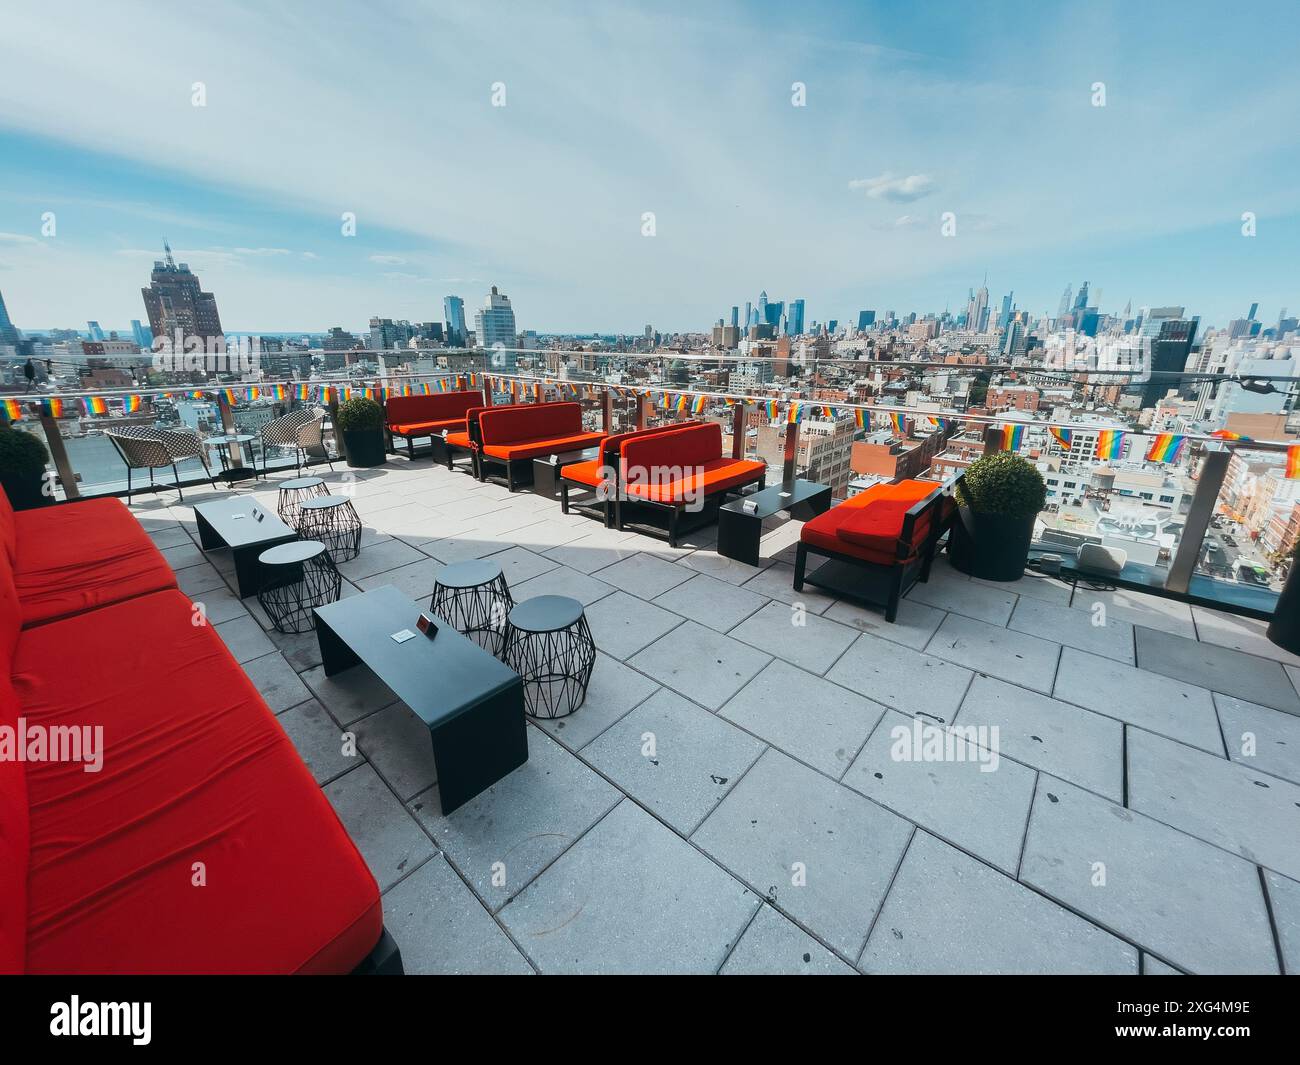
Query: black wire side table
{"type": "Point", "coordinates": [296, 578]}
{"type": "Point", "coordinates": [332, 520]}
{"type": "Point", "coordinates": [549, 644]}
{"type": "Point", "coordinates": [475, 600]}
{"type": "Point", "coordinates": [296, 492]}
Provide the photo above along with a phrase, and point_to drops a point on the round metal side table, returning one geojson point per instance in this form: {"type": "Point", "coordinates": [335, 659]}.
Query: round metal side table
{"type": "Point", "coordinates": [474, 599]}
{"type": "Point", "coordinates": [332, 520]}
{"type": "Point", "coordinates": [296, 492]}
{"type": "Point", "coordinates": [550, 646]}
{"type": "Point", "coordinates": [296, 577]}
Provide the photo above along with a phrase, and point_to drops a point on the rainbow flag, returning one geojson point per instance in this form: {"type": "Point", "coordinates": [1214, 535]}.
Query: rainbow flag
{"type": "Point", "coordinates": [1166, 447]}
{"type": "Point", "coordinates": [861, 418]}
{"type": "Point", "coordinates": [899, 423]}
{"type": "Point", "coordinates": [1228, 434]}
{"type": "Point", "coordinates": [14, 410]}
{"type": "Point", "coordinates": [304, 393]}
{"type": "Point", "coordinates": [682, 403]}
{"type": "Point", "coordinates": [131, 404]}
{"type": "Point", "coordinates": [277, 392]}
{"type": "Point", "coordinates": [772, 410]}
{"type": "Point", "coordinates": [473, 380]}
{"type": "Point", "coordinates": [1293, 462]}
{"type": "Point", "coordinates": [52, 407]}
{"type": "Point", "coordinates": [95, 405]}
{"type": "Point", "coordinates": [827, 413]}
{"type": "Point", "coordinates": [1061, 436]}
{"type": "Point", "coordinates": [1110, 444]}
{"type": "Point", "coordinates": [697, 405]}
{"type": "Point", "coordinates": [794, 415]}
{"type": "Point", "coordinates": [252, 393]}
{"type": "Point", "coordinates": [231, 398]}
{"type": "Point", "coordinates": [1012, 437]}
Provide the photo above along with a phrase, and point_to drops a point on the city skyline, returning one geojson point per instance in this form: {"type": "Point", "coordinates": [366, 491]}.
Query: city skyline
{"type": "Point", "coordinates": [1143, 196]}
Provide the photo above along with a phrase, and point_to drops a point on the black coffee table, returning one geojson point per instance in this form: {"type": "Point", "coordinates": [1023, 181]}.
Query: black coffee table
{"type": "Point", "coordinates": [471, 703]}
{"type": "Point", "coordinates": [248, 529]}
{"type": "Point", "coordinates": [740, 531]}
{"type": "Point", "coordinates": [546, 474]}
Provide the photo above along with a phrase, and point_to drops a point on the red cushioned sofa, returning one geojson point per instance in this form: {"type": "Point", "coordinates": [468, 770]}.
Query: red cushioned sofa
{"type": "Point", "coordinates": [878, 543]}
{"type": "Point", "coordinates": [201, 843]}
{"type": "Point", "coordinates": [412, 417]}
{"type": "Point", "coordinates": [678, 472]}
{"type": "Point", "coordinates": [598, 477]}
{"type": "Point", "coordinates": [513, 436]}
{"type": "Point", "coordinates": [467, 439]}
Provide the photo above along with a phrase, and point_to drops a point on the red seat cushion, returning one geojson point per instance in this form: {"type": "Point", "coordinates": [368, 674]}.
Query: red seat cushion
{"type": "Point", "coordinates": [546, 445]}
{"type": "Point", "coordinates": [78, 556]}
{"type": "Point", "coordinates": [460, 440]}
{"type": "Point", "coordinates": [195, 769]}
{"type": "Point", "coordinates": [403, 411]}
{"type": "Point", "coordinates": [13, 790]}
{"type": "Point", "coordinates": [691, 446]}
{"type": "Point", "coordinates": [869, 539]}
{"type": "Point", "coordinates": [591, 473]}
{"type": "Point", "coordinates": [694, 482]}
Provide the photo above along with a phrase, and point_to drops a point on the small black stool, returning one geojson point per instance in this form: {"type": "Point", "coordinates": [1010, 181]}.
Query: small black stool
{"type": "Point", "coordinates": [296, 577]}
{"type": "Point", "coordinates": [475, 600]}
{"type": "Point", "coordinates": [549, 645]}
{"type": "Point", "coordinates": [294, 493]}
{"type": "Point", "coordinates": [334, 522]}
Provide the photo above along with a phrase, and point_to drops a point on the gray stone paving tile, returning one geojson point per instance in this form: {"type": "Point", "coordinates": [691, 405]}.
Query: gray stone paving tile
{"type": "Point", "coordinates": [519, 564]}
{"type": "Point", "coordinates": [1153, 966]}
{"type": "Point", "coordinates": [1058, 738]}
{"type": "Point", "coordinates": [613, 690]}
{"type": "Point", "coordinates": [397, 744]}
{"type": "Point", "coordinates": [415, 581]}
{"type": "Point", "coordinates": [411, 522]}
{"type": "Point", "coordinates": [948, 913]}
{"type": "Point", "coordinates": [275, 679]}
{"type": "Point", "coordinates": [443, 930]}
{"type": "Point", "coordinates": [384, 832]}
{"type": "Point", "coordinates": [1260, 737]}
{"type": "Point", "coordinates": [474, 506]}
{"type": "Point", "coordinates": [803, 639]}
{"type": "Point", "coordinates": [812, 719]}
{"type": "Point", "coordinates": [913, 626]}
{"type": "Point", "coordinates": [1013, 656]}
{"type": "Point", "coordinates": [1192, 904]}
{"type": "Point", "coordinates": [1238, 634]}
{"type": "Point", "coordinates": [630, 896]}
{"type": "Point", "coordinates": [774, 945]}
{"type": "Point", "coordinates": [1044, 589]}
{"type": "Point", "coordinates": [245, 639]}
{"type": "Point", "coordinates": [622, 624]}
{"type": "Point", "coordinates": [505, 836]}
{"type": "Point", "coordinates": [1232, 806]}
{"type": "Point", "coordinates": [712, 602]}
{"type": "Point", "coordinates": [644, 575]}
{"type": "Point", "coordinates": [952, 591]}
{"type": "Point", "coordinates": [1148, 700]}
{"type": "Point", "coordinates": [902, 678]}
{"type": "Point", "coordinates": [461, 547]}
{"type": "Point", "coordinates": [220, 604]}
{"type": "Point", "coordinates": [1257, 680]}
{"type": "Point", "coordinates": [562, 581]}
{"type": "Point", "coordinates": [318, 740]}
{"type": "Point", "coordinates": [548, 534]}
{"type": "Point", "coordinates": [1284, 897]}
{"type": "Point", "coordinates": [941, 796]}
{"type": "Point", "coordinates": [1138, 608]}
{"type": "Point", "coordinates": [719, 567]}
{"type": "Point", "coordinates": [196, 580]}
{"type": "Point", "coordinates": [777, 582]}
{"type": "Point", "coordinates": [701, 664]}
{"type": "Point", "coordinates": [350, 695]}
{"type": "Point", "coordinates": [183, 556]}
{"type": "Point", "coordinates": [674, 758]}
{"type": "Point", "coordinates": [388, 555]}
{"type": "Point", "coordinates": [1112, 637]}
{"type": "Point", "coordinates": [592, 552]}
{"type": "Point", "coordinates": [300, 649]}
{"type": "Point", "coordinates": [818, 851]}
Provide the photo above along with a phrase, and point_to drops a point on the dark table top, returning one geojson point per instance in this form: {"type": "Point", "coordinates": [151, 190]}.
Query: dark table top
{"type": "Point", "coordinates": [235, 522]}
{"type": "Point", "coordinates": [771, 500]}
{"type": "Point", "coordinates": [439, 678]}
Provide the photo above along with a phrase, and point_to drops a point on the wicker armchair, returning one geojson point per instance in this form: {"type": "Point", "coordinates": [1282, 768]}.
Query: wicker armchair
{"type": "Point", "coordinates": [302, 430]}
{"type": "Point", "coordinates": [148, 447]}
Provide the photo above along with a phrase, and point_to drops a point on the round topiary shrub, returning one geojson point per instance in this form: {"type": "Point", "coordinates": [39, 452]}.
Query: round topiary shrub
{"type": "Point", "coordinates": [359, 415]}
{"type": "Point", "coordinates": [22, 453]}
{"type": "Point", "coordinates": [1002, 482]}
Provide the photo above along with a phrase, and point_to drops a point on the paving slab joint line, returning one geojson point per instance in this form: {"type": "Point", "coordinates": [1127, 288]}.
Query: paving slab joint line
{"type": "Point", "coordinates": [1272, 920]}
{"type": "Point", "coordinates": [898, 868]}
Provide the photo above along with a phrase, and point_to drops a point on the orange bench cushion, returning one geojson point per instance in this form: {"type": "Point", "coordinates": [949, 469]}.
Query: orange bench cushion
{"type": "Point", "coordinates": [588, 473]}
{"type": "Point", "coordinates": [460, 440]}
{"type": "Point", "coordinates": [853, 527]}
{"type": "Point", "coordinates": [425, 428]}
{"type": "Point", "coordinates": [706, 479]}
{"type": "Point", "coordinates": [535, 448]}
{"type": "Point", "coordinates": [195, 769]}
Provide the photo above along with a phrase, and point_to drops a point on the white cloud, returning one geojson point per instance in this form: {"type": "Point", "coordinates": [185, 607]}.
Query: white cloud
{"type": "Point", "coordinates": [387, 260]}
{"type": "Point", "coordinates": [16, 238]}
{"type": "Point", "coordinates": [895, 189]}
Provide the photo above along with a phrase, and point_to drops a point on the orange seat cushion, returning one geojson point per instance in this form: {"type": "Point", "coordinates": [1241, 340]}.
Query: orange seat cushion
{"type": "Point", "coordinates": [460, 440]}
{"type": "Point", "coordinates": [590, 473]}
{"type": "Point", "coordinates": [680, 484]}
{"type": "Point", "coordinates": [425, 428]}
{"type": "Point", "coordinates": [537, 447]}
{"type": "Point", "coordinates": [869, 538]}
{"type": "Point", "coordinates": [195, 769]}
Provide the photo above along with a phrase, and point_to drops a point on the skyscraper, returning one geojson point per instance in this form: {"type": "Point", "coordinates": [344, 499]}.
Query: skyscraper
{"type": "Point", "coordinates": [795, 317]}
{"type": "Point", "coordinates": [1169, 351]}
{"type": "Point", "coordinates": [495, 324]}
{"type": "Point", "coordinates": [175, 300]}
{"type": "Point", "coordinates": [748, 309]}
{"type": "Point", "coordinates": [453, 312]}
{"type": "Point", "coordinates": [735, 317]}
{"type": "Point", "coordinates": [762, 306]}
{"type": "Point", "coordinates": [1067, 298]}
{"type": "Point", "coordinates": [95, 332]}
{"type": "Point", "coordinates": [142, 336]}
{"type": "Point", "coordinates": [1005, 316]}
{"type": "Point", "coordinates": [977, 311]}
{"type": "Point", "coordinates": [866, 319]}
{"type": "Point", "coordinates": [8, 331]}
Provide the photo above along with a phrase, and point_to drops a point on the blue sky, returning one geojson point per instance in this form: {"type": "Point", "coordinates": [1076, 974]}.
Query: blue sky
{"type": "Point", "coordinates": [612, 110]}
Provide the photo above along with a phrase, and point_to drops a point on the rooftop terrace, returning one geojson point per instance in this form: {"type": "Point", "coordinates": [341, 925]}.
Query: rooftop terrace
{"type": "Point", "coordinates": [726, 800]}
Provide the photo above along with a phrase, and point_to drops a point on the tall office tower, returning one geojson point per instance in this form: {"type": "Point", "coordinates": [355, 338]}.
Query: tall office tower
{"type": "Point", "coordinates": [1081, 300]}
{"type": "Point", "coordinates": [735, 317]}
{"type": "Point", "coordinates": [1254, 307]}
{"type": "Point", "coordinates": [175, 300]}
{"type": "Point", "coordinates": [1067, 298]}
{"type": "Point", "coordinates": [95, 332]}
{"type": "Point", "coordinates": [977, 314]}
{"type": "Point", "coordinates": [1016, 341]}
{"type": "Point", "coordinates": [795, 317]}
{"type": "Point", "coordinates": [1169, 352]}
{"type": "Point", "coordinates": [775, 312]}
{"type": "Point", "coordinates": [1005, 315]}
{"type": "Point", "coordinates": [748, 323]}
{"type": "Point", "coordinates": [762, 306]}
{"type": "Point", "coordinates": [495, 324]}
{"type": "Point", "coordinates": [141, 335]}
{"type": "Point", "coordinates": [453, 312]}
{"type": "Point", "coordinates": [8, 331]}
{"type": "Point", "coordinates": [1153, 318]}
{"type": "Point", "coordinates": [866, 319]}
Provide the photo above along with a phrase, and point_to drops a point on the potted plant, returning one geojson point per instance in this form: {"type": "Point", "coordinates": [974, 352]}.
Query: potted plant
{"type": "Point", "coordinates": [998, 499]}
{"type": "Point", "coordinates": [1284, 625]}
{"type": "Point", "coordinates": [360, 422]}
{"type": "Point", "coordinates": [22, 469]}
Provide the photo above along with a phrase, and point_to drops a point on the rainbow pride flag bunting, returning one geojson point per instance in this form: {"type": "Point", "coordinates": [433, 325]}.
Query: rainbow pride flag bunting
{"type": "Point", "coordinates": [697, 405]}
{"type": "Point", "coordinates": [52, 407]}
{"type": "Point", "coordinates": [95, 405]}
{"type": "Point", "coordinates": [1110, 444]}
{"type": "Point", "coordinates": [14, 410]}
{"type": "Point", "coordinates": [1293, 461]}
{"type": "Point", "coordinates": [1228, 434]}
{"type": "Point", "coordinates": [1012, 437]}
{"type": "Point", "coordinates": [304, 393]}
{"type": "Point", "coordinates": [795, 414]}
{"type": "Point", "coordinates": [772, 410]}
{"type": "Point", "coordinates": [899, 423]}
{"type": "Point", "coordinates": [861, 418]}
{"type": "Point", "coordinates": [1166, 447]}
{"type": "Point", "coordinates": [131, 404]}
{"type": "Point", "coordinates": [1061, 436]}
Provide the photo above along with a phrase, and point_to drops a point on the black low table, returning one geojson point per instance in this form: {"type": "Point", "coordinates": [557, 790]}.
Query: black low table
{"type": "Point", "coordinates": [740, 531]}
{"type": "Point", "coordinates": [296, 578]}
{"type": "Point", "coordinates": [549, 644]}
{"type": "Point", "coordinates": [294, 493]}
{"type": "Point", "coordinates": [475, 598]}
{"type": "Point", "coordinates": [222, 445]}
{"type": "Point", "coordinates": [546, 473]}
{"type": "Point", "coordinates": [334, 521]}
{"type": "Point", "coordinates": [472, 704]}
{"type": "Point", "coordinates": [247, 529]}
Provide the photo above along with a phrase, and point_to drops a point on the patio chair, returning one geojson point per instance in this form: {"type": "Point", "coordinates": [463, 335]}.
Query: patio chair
{"type": "Point", "coordinates": [142, 448]}
{"type": "Point", "coordinates": [304, 431]}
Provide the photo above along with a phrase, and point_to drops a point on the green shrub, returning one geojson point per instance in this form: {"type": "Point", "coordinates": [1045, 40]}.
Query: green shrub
{"type": "Point", "coordinates": [22, 453]}
{"type": "Point", "coordinates": [1002, 482]}
{"type": "Point", "coordinates": [359, 415]}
